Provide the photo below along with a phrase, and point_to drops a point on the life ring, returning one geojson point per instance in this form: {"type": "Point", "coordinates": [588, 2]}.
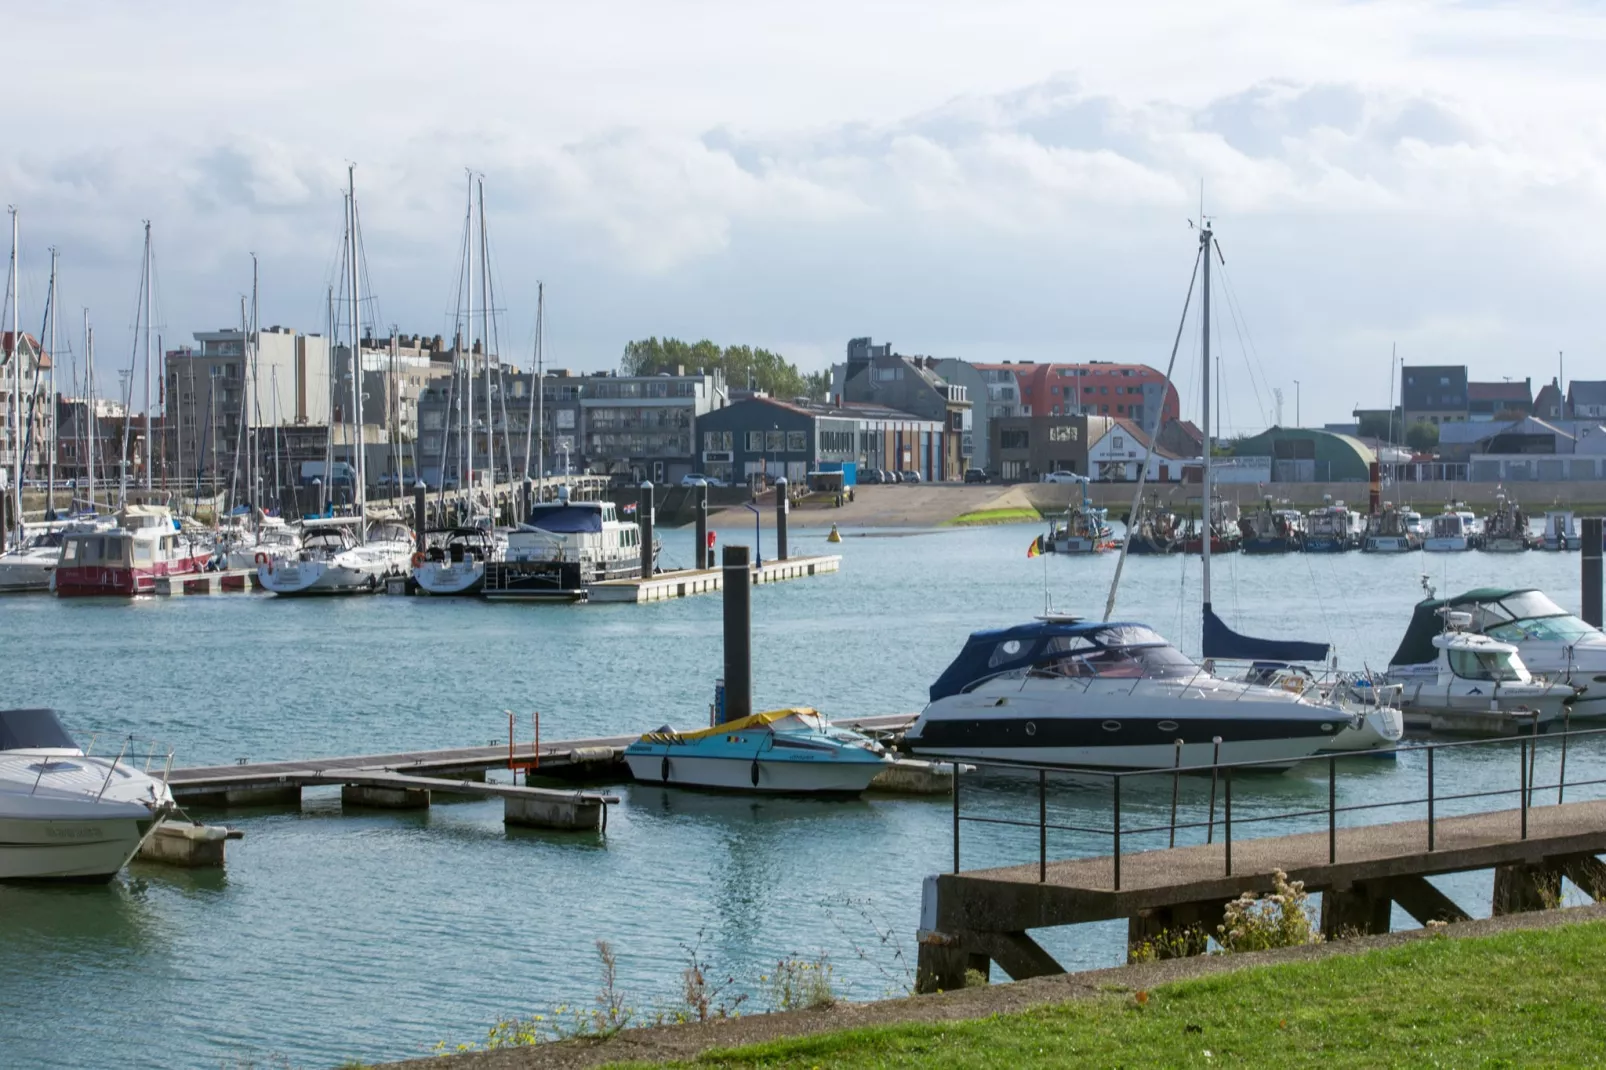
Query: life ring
{"type": "Point", "coordinates": [418, 558]}
{"type": "Point", "coordinates": [1295, 684]}
{"type": "Point", "coordinates": [262, 557]}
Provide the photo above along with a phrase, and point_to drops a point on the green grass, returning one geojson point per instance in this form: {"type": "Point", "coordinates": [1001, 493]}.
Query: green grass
{"type": "Point", "coordinates": [1013, 515]}
{"type": "Point", "coordinates": [1529, 998]}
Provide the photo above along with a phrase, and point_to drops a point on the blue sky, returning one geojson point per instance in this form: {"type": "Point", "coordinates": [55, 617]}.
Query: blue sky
{"type": "Point", "coordinates": [1001, 181]}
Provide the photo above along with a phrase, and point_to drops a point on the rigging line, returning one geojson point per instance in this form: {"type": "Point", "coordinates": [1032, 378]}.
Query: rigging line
{"type": "Point", "coordinates": [1225, 419]}
{"type": "Point", "coordinates": [1143, 472]}
{"type": "Point", "coordinates": [372, 298]}
{"type": "Point", "coordinates": [1232, 311]}
{"type": "Point", "coordinates": [1232, 295]}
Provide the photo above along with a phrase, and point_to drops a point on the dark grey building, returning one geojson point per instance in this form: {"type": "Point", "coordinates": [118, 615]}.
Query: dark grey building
{"type": "Point", "coordinates": [766, 436]}
{"type": "Point", "coordinates": [1436, 393]}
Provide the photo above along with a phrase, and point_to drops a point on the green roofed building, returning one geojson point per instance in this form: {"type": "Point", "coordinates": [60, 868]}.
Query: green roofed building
{"type": "Point", "coordinates": [1306, 455]}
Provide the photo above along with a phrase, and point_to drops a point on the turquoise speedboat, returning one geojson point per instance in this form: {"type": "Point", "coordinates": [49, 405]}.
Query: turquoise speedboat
{"type": "Point", "coordinates": [790, 752]}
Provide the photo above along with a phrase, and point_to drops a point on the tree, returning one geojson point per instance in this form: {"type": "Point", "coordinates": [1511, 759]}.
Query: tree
{"type": "Point", "coordinates": [1375, 425]}
{"type": "Point", "coordinates": [742, 365]}
{"type": "Point", "coordinates": [1422, 436]}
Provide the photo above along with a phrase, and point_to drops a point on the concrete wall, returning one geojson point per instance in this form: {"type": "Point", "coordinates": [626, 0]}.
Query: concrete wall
{"type": "Point", "coordinates": [1428, 498]}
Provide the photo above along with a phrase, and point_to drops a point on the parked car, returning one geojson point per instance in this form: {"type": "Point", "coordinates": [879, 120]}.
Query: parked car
{"type": "Point", "coordinates": [909, 476]}
{"type": "Point", "coordinates": [1063, 477]}
{"type": "Point", "coordinates": [697, 479]}
{"type": "Point", "coordinates": [870, 475]}
{"type": "Point", "coordinates": [975, 475]}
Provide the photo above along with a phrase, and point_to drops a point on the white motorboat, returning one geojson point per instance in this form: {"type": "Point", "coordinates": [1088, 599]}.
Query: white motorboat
{"type": "Point", "coordinates": [782, 752]}
{"type": "Point", "coordinates": [1065, 691]}
{"type": "Point", "coordinates": [1550, 641]}
{"type": "Point", "coordinates": [563, 547]}
{"type": "Point", "coordinates": [331, 560]}
{"type": "Point", "coordinates": [1452, 531]}
{"type": "Point", "coordinates": [1561, 532]}
{"type": "Point", "coordinates": [242, 547]}
{"type": "Point", "coordinates": [1389, 532]}
{"type": "Point", "coordinates": [457, 565]}
{"type": "Point", "coordinates": [65, 815]}
{"type": "Point", "coordinates": [28, 567]}
{"type": "Point", "coordinates": [1477, 684]}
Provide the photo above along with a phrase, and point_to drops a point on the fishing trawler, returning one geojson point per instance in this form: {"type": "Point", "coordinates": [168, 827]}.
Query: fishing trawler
{"type": "Point", "coordinates": [1153, 530]}
{"type": "Point", "coordinates": [1269, 530]}
{"type": "Point", "coordinates": [1505, 530]}
{"type": "Point", "coordinates": [1452, 531]}
{"type": "Point", "coordinates": [1083, 529]}
{"type": "Point", "coordinates": [1333, 528]}
{"type": "Point", "coordinates": [1389, 532]}
{"type": "Point", "coordinates": [1561, 532]}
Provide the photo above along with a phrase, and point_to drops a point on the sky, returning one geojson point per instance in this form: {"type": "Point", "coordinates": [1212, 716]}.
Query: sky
{"type": "Point", "coordinates": [1013, 180]}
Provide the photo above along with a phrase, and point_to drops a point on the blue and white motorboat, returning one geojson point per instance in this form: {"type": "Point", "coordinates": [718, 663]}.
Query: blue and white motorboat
{"type": "Point", "coordinates": [782, 752]}
{"type": "Point", "coordinates": [1332, 529]}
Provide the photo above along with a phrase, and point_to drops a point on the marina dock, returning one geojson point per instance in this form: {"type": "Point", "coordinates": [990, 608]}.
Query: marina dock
{"type": "Point", "coordinates": [686, 582]}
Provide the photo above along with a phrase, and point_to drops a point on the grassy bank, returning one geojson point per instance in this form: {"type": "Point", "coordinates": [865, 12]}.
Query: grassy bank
{"type": "Point", "coordinates": [1524, 998]}
{"type": "Point", "coordinates": [1013, 515]}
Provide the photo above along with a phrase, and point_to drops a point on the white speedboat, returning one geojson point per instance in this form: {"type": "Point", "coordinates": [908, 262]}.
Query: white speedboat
{"type": "Point", "coordinates": [28, 567]}
{"type": "Point", "coordinates": [456, 566]}
{"type": "Point", "coordinates": [331, 559]}
{"type": "Point", "coordinates": [242, 547]}
{"type": "Point", "coordinates": [1550, 641]}
{"type": "Point", "coordinates": [1477, 684]}
{"type": "Point", "coordinates": [1450, 532]}
{"type": "Point", "coordinates": [1070, 692]}
{"type": "Point", "coordinates": [782, 752]}
{"type": "Point", "coordinates": [64, 815]}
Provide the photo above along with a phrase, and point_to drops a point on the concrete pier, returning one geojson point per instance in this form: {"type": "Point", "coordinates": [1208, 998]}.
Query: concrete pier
{"type": "Point", "coordinates": [908, 776]}
{"type": "Point", "coordinates": [384, 797]}
{"type": "Point", "coordinates": [688, 582]}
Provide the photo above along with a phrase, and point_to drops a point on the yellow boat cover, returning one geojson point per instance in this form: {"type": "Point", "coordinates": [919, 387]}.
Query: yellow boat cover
{"type": "Point", "coordinates": [757, 720]}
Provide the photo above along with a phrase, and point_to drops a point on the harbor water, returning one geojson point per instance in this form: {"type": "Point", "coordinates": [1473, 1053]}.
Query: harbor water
{"type": "Point", "coordinates": [377, 935]}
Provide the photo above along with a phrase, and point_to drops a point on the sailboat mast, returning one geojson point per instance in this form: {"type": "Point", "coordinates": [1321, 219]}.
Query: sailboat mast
{"type": "Point", "coordinates": [329, 439]}
{"type": "Point", "coordinates": [91, 410]}
{"type": "Point", "coordinates": [1205, 237]}
{"type": "Point", "coordinates": [254, 413]}
{"type": "Point", "coordinates": [14, 410]}
{"type": "Point", "coordinates": [50, 478]}
{"type": "Point", "coordinates": [149, 441]}
{"type": "Point", "coordinates": [468, 341]}
{"type": "Point", "coordinates": [485, 333]}
{"type": "Point", "coordinates": [356, 361]}
{"type": "Point", "coordinates": [540, 385]}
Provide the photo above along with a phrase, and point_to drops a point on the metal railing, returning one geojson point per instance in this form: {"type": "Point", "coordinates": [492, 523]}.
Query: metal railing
{"type": "Point", "coordinates": [1221, 775]}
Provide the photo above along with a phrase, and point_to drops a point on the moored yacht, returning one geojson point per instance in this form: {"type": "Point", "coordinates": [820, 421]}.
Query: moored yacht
{"type": "Point", "coordinates": [28, 567]}
{"type": "Point", "coordinates": [65, 815]}
{"type": "Point", "coordinates": [456, 565]}
{"type": "Point", "coordinates": [331, 560]}
{"type": "Point", "coordinates": [126, 559]}
{"type": "Point", "coordinates": [1111, 696]}
{"type": "Point", "coordinates": [1476, 684]}
{"type": "Point", "coordinates": [561, 548]}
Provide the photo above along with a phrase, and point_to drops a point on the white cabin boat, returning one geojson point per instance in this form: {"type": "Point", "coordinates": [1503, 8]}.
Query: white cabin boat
{"type": "Point", "coordinates": [1477, 685]}
{"type": "Point", "coordinates": [64, 815]}
{"type": "Point", "coordinates": [1561, 531]}
{"type": "Point", "coordinates": [126, 559]}
{"type": "Point", "coordinates": [331, 560]}
{"type": "Point", "coordinates": [1450, 532]}
{"type": "Point", "coordinates": [456, 565]}
{"type": "Point", "coordinates": [28, 567]}
{"type": "Point", "coordinates": [562, 548]}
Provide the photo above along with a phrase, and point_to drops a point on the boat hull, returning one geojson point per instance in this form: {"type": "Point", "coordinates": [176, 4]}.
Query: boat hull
{"type": "Point", "coordinates": [1447, 544]}
{"type": "Point", "coordinates": [80, 581]}
{"type": "Point", "coordinates": [682, 767]}
{"type": "Point", "coordinates": [23, 575]}
{"type": "Point", "coordinates": [1274, 545]}
{"type": "Point", "coordinates": [459, 579]}
{"type": "Point", "coordinates": [311, 578]}
{"type": "Point", "coordinates": [93, 849]}
{"type": "Point", "coordinates": [1388, 544]}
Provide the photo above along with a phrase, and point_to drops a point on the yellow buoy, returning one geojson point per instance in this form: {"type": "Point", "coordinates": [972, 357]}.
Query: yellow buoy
{"type": "Point", "coordinates": [833, 537]}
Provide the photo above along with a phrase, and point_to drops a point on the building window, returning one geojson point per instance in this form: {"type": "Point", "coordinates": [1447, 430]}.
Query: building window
{"type": "Point", "coordinates": [1013, 438]}
{"type": "Point", "coordinates": [755, 442]}
{"type": "Point", "coordinates": [1104, 390]}
{"type": "Point", "coordinates": [773, 441]}
{"type": "Point", "coordinates": [797, 441]}
{"type": "Point", "coordinates": [1054, 390]}
{"type": "Point", "coordinates": [1087, 390]}
{"type": "Point", "coordinates": [716, 440]}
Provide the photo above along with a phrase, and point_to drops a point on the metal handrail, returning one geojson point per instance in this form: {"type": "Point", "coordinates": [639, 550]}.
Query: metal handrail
{"type": "Point", "coordinates": [1528, 746]}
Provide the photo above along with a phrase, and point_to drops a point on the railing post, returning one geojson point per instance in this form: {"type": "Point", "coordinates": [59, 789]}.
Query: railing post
{"type": "Point", "coordinates": [1042, 826]}
{"type": "Point", "coordinates": [1226, 785]}
{"type": "Point", "coordinates": [1176, 783]}
{"type": "Point", "coordinates": [1332, 810]}
{"type": "Point", "coordinates": [1215, 771]}
{"type": "Point", "coordinates": [1522, 782]}
{"type": "Point", "coordinates": [956, 817]}
{"type": "Point", "coordinates": [1566, 734]}
{"type": "Point", "coordinates": [1430, 797]}
{"type": "Point", "coordinates": [1116, 780]}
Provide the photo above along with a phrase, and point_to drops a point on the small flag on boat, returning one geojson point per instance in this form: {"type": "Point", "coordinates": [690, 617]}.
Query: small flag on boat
{"type": "Point", "coordinates": [629, 508]}
{"type": "Point", "coordinates": [1036, 548]}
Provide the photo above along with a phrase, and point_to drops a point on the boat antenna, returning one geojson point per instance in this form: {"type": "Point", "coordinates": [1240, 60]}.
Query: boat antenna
{"type": "Point", "coordinates": [1154, 433]}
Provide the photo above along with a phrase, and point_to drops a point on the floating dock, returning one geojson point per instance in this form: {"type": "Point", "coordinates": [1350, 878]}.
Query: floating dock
{"type": "Point", "coordinates": [687, 582]}
{"type": "Point", "coordinates": [240, 579]}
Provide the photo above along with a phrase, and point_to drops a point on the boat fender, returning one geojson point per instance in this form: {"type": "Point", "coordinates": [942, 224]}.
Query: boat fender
{"type": "Point", "coordinates": [663, 770]}
{"type": "Point", "coordinates": [755, 772]}
{"type": "Point", "coordinates": [262, 558]}
{"type": "Point", "coordinates": [418, 558]}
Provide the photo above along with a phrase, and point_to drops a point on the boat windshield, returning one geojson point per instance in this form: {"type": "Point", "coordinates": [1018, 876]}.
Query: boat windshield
{"type": "Point", "coordinates": [1146, 662]}
{"type": "Point", "coordinates": [1484, 665]}
{"type": "Point", "coordinates": [33, 729]}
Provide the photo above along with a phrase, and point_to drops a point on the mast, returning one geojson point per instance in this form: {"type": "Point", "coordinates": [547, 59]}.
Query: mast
{"type": "Point", "coordinates": [149, 442]}
{"type": "Point", "coordinates": [485, 333]}
{"type": "Point", "coordinates": [356, 358]}
{"type": "Point", "coordinates": [14, 409]}
{"type": "Point", "coordinates": [176, 397]}
{"type": "Point", "coordinates": [535, 427]}
{"type": "Point", "coordinates": [92, 409]}
{"type": "Point", "coordinates": [329, 439]}
{"type": "Point", "coordinates": [468, 330]}
{"type": "Point", "coordinates": [253, 449]}
{"type": "Point", "coordinates": [1205, 237]}
{"type": "Point", "coordinates": [55, 409]}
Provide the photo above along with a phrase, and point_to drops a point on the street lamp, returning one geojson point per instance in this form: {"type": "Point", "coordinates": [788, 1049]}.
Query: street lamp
{"type": "Point", "coordinates": [1297, 421]}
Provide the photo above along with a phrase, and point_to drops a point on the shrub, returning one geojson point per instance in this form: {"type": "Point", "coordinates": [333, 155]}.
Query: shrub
{"type": "Point", "coordinates": [800, 984]}
{"type": "Point", "coordinates": [1281, 919]}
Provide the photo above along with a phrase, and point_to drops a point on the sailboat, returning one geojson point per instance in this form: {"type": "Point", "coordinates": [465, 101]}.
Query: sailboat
{"type": "Point", "coordinates": [1117, 695]}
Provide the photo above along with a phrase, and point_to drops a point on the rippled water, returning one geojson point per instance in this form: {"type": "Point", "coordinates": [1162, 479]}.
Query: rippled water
{"type": "Point", "coordinates": [334, 936]}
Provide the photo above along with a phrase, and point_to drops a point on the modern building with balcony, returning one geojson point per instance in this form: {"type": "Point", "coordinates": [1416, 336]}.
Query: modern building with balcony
{"type": "Point", "coordinates": [770, 437]}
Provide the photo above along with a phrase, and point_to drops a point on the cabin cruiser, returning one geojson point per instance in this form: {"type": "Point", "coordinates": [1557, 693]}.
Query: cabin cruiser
{"type": "Point", "coordinates": [331, 560]}
{"type": "Point", "coordinates": [456, 566]}
{"type": "Point", "coordinates": [1066, 691]}
{"type": "Point", "coordinates": [1506, 529]}
{"type": "Point", "coordinates": [1476, 684]}
{"type": "Point", "coordinates": [792, 751]}
{"type": "Point", "coordinates": [1451, 532]}
{"type": "Point", "coordinates": [562, 547]}
{"type": "Point", "coordinates": [1390, 532]}
{"type": "Point", "coordinates": [63, 814]}
{"type": "Point", "coordinates": [125, 559]}
{"type": "Point", "coordinates": [1082, 530]}
{"type": "Point", "coordinates": [1269, 530]}
{"type": "Point", "coordinates": [1332, 529]}
{"type": "Point", "coordinates": [1549, 640]}
{"type": "Point", "coordinates": [1561, 532]}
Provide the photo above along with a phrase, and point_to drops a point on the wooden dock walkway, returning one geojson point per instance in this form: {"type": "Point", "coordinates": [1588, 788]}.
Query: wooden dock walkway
{"type": "Point", "coordinates": [686, 582]}
{"type": "Point", "coordinates": [973, 917]}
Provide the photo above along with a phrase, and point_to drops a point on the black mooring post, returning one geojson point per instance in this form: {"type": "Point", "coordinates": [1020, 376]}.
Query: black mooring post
{"type": "Point", "coordinates": [419, 508]}
{"type": "Point", "coordinates": [780, 519]}
{"type": "Point", "coordinates": [738, 590]}
{"type": "Point", "coordinates": [526, 496]}
{"type": "Point", "coordinates": [705, 557]}
{"type": "Point", "coordinates": [1591, 566]}
{"type": "Point", "coordinates": [644, 517]}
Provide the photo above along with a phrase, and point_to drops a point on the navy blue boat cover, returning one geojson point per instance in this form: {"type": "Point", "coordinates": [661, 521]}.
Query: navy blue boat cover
{"type": "Point", "coordinates": [1220, 641]}
{"type": "Point", "coordinates": [565, 519]}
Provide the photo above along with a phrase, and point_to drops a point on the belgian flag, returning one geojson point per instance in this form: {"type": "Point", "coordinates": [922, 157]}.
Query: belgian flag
{"type": "Point", "coordinates": [1035, 549]}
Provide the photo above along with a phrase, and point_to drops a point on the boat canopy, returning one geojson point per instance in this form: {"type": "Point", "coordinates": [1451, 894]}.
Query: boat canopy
{"type": "Point", "coordinates": [741, 724]}
{"type": "Point", "coordinates": [1495, 610]}
{"type": "Point", "coordinates": [1220, 641]}
{"type": "Point", "coordinates": [1000, 650]}
{"type": "Point", "coordinates": [33, 730]}
{"type": "Point", "coordinates": [566, 518]}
